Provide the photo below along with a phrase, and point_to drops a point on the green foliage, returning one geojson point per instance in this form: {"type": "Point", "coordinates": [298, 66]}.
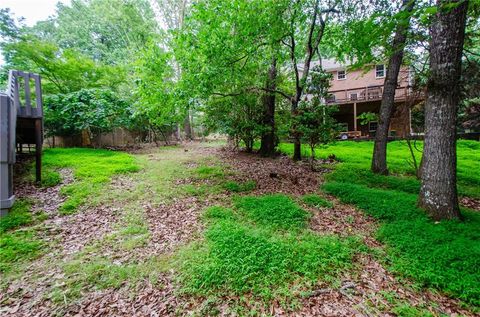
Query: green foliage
{"type": "Point", "coordinates": [238, 117]}
{"type": "Point", "coordinates": [92, 110]}
{"type": "Point", "coordinates": [316, 201]}
{"type": "Point", "coordinates": [16, 247]}
{"type": "Point", "coordinates": [316, 124]}
{"type": "Point", "coordinates": [239, 257]}
{"type": "Point", "coordinates": [50, 178]}
{"type": "Point", "coordinates": [367, 117]}
{"type": "Point", "coordinates": [356, 160]}
{"type": "Point", "coordinates": [440, 255]}
{"type": "Point", "coordinates": [110, 31]}
{"type": "Point", "coordinates": [236, 187]}
{"type": "Point", "coordinates": [18, 216]}
{"type": "Point", "coordinates": [62, 70]}
{"type": "Point", "coordinates": [277, 211]}
{"type": "Point", "coordinates": [157, 98]}
{"type": "Point", "coordinates": [92, 169]}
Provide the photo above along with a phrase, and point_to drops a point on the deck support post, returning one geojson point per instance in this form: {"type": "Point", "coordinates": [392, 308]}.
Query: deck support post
{"type": "Point", "coordinates": [38, 150]}
{"type": "Point", "coordinates": [355, 116]}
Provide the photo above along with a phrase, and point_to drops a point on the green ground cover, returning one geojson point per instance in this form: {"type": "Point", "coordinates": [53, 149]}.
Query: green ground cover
{"type": "Point", "coordinates": [260, 247]}
{"type": "Point", "coordinates": [443, 255]}
{"type": "Point", "coordinates": [357, 157]}
{"type": "Point", "coordinates": [92, 168]}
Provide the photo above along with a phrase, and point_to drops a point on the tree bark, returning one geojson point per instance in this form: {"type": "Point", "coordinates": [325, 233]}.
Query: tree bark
{"type": "Point", "coordinates": [438, 191]}
{"type": "Point", "coordinates": [267, 146]}
{"type": "Point", "coordinates": [379, 160]}
{"type": "Point", "coordinates": [187, 126]}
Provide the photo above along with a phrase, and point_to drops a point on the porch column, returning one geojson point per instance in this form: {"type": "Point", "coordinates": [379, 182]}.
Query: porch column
{"type": "Point", "coordinates": [354, 116]}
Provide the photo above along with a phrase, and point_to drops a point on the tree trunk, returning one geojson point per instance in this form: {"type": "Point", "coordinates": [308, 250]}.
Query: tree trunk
{"type": "Point", "coordinates": [379, 160]}
{"type": "Point", "coordinates": [297, 148]}
{"type": "Point", "coordinates": [187, 126]}
{"type": "Point", "coordinates": [438, 191]}
{"type": "Point", "coordinates": [267, 147]}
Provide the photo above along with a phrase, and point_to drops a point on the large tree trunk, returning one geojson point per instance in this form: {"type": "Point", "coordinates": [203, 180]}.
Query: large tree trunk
{"type": "Point", "coordinates": [297, 143]}
{"type": "Point", "coordinates": [187, 126]}
{"type": "Point", "coordinates": [267, 147]}
{"type": "Point", "coordinates": [379, 160]}
{"type": "Point", "coordinates": [438, 192]}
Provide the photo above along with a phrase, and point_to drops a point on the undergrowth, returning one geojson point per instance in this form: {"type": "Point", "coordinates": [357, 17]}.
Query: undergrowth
{"type": "Point", "coordinates": [20, 245]}
{"type": "Point", "coordinates": [260, 248]}
{"type": "Point", "coordinates": [316, 201]}
{"type": "Point", "coordinates": [92, 169]}
{"type": "Point", "coordinates": [237, 187]}
{"type": "Point", "coordinates": [443, 255]}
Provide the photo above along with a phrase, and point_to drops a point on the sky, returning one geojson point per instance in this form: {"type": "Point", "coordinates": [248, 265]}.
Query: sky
{"type": "Point", "coordinates": [32, 10]}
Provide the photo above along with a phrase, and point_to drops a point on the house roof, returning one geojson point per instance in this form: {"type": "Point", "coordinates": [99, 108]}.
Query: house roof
{"type": "Point", "coordinates": [328, 64]}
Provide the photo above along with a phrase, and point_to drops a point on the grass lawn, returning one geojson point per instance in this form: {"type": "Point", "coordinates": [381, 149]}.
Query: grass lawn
{"type": "Point", "coordinates": [262, 248]}
{"type": "Point", "coordinates": [92, 168]}
{"type": "Point", "coordinates": [443, 255]}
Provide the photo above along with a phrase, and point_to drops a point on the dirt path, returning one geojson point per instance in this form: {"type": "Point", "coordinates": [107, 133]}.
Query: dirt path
{"type": "Point", "coordinates": [148, 215]}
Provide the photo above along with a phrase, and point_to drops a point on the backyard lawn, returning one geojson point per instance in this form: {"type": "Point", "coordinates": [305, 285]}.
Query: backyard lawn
{"type": "Point", "coordinates": [194, 228]}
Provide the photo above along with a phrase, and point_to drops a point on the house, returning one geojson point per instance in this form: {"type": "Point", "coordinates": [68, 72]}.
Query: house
{"type": "Point", "coordinates": [357, 91]}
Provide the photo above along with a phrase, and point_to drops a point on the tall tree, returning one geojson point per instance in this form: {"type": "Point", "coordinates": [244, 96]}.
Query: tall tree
{"type": "Point", "coordinates": [315, 15]}
{"type": "Point", "coordinates": [267, 145]}
{"type": "Point", "coordinates": [171, 15]}
{"type": "Point", "coordinates": [438, 192]}
{"type": "Point", "coordinates": [379, 161]}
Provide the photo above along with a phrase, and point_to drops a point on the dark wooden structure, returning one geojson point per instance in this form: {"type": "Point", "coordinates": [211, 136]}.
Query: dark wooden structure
{"type": "Point", "coordinates": [25, 89]}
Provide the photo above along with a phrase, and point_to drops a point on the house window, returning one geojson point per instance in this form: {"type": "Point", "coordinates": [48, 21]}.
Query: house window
{"type": "Point", "coordinates": [353, 96]}
{"type": "Point", "coordinates": [372, 126]}
{"type": "Point", "coordinates": [341, 75]}
{"type": "Point", "coordinates": [380, 71]}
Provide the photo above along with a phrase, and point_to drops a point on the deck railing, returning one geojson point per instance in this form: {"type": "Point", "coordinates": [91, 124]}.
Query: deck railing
{"type": "Point", "coordinates": [20, 90]}
{"type": "Point", "coordinates": [365, 94]}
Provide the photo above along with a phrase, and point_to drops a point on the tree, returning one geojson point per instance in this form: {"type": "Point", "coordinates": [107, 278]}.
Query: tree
{"type": "Point", "coordinates": [438, 192]}
{"type": "Point", "coordinates": [91, 110]}
{"type": "Point", "coordinates": [171, 15]}
{"type": "Point", "coordinates": [268, 138]}
{"type": "Point", "coordinates": [315, 15]}
{"type": "Point", "coordinates": [379, 161]}
{"type": "Point", "coordinates": [229, 50]}
{"type": "Point", "coordinates": [157, 96]}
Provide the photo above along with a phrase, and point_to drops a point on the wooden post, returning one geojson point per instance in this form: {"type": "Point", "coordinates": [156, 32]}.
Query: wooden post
{"type": "Point", "coordinates": [38, 150]}
{"type": "Point", "coordinates": [355, 116]}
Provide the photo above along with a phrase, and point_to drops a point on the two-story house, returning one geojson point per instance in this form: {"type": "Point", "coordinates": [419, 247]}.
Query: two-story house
{"type": "Point", "coordinates": [356, 91]}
